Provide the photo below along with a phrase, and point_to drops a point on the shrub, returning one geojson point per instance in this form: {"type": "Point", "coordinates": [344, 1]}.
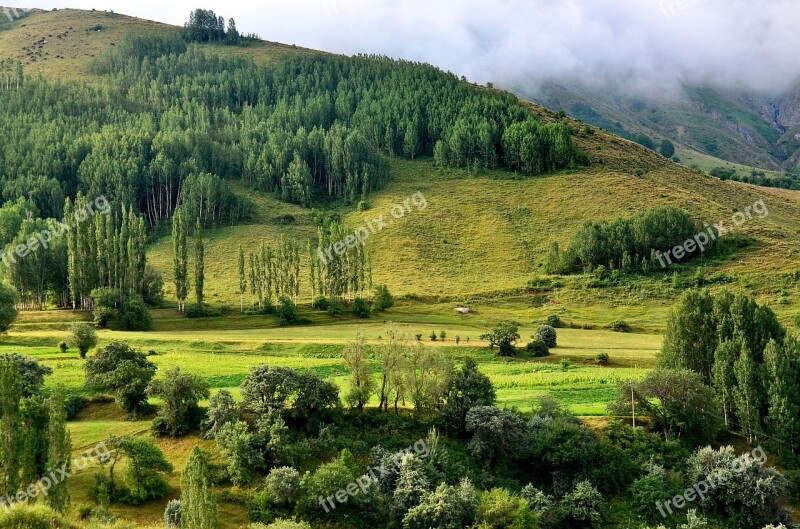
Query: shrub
{"type": "Point", "coordinates": [103, 316]}
{"type": "Point", "coordinates": [361, 308]}
{"type": "Point", "coordinates": [335, 308]}
{"type": "Point", "coordinates": [505, 335]}
{"type": "Point", "coordinates": [620, 326]}
{"type": "Point", "coordinates": [434, 336]}
{"type": "Point", "coordinates": [287, 312]}
{"type": "Point", "coordinates": [73, 405]}
{"type": "Point", "coordinates": [321, 303]}
{"type": "Point", "coordinates": [285, 220]}
{"type": "Point", "coordinates": [201, 311]}
{"type": "Point", "coordinates": [547, 334]}
{"type": "Point", "coordinates": [283, 485]}
{"type": "Point", "coordinates": [134, 316]}
{"type": "Point", "coordinates": [584, 504]}
{"type": "Point", "coordinates": [648, 491]}
{"type": "Point", "coordinates": [106, 301]}
{"type": "Point", "coordinates": [33, 517]}
{"type": "Point", "coordinates": [63, 347]}
{"type": "Point", "coordinates": [602, 359]}
{"type": "Point", "coordinates": [83, 337]}
{"type": "Point", "coordinates": [499, 509]}
{"type": "Point", "coordinates": [172, 514]}
{"type": "Point", "coordinates": [260, 510]}
{"type": "Point", "coordinates": [507, 349]}
{"type": "Point", "coordinates": [180, 392]}
{"type": "Point", "coordinates": [383, 298]}
{"type": "Point", "coordinates": [793, 488]}
{"type": "Point", "coordinates": [565, 364]}
{"type": "Point", "coordinates": [280, 523]}
{"type": "Point", "coordinates": [538, 349]}
{"type": "Point", "coordinates": [555, 322]}
{"type": "Point", "coordinates": [538, 501]}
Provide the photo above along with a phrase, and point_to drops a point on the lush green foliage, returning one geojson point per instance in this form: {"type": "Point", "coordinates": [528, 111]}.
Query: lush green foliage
{"type": "Point", "coordinates": [548, 335]}
{"type": "Point", "coordinates": [144, 470]}
{"type": "Point", "coordinates": [741, 349]}
{"type": "Point", "coordinates": [83, 337]}
{"type": "Point", "coordinates": [180, 393]}
{"type": "Point", "coordinates": [123, 370]}
{"type": "Point", "coordinates": [8, 309]}
{"type": "Point", "coordinates": [199, 509]}
{"type": "Point", "coordinates": [629, 244]}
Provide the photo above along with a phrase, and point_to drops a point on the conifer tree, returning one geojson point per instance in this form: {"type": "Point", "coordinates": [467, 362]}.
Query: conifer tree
{"type": "Point", "coordinates": [199, 509]}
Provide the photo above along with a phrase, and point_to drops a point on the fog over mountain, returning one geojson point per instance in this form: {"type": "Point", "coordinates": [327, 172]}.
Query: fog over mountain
{"type": "Point", "coordinates": [517, 43]}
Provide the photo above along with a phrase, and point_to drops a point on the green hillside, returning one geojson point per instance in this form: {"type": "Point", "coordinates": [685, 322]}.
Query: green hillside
{"type": "Point", "coordinates": [474, 233]}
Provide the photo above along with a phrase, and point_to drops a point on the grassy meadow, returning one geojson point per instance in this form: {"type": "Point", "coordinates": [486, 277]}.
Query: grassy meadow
{"type": "Point", "coordinates": [480, 242]}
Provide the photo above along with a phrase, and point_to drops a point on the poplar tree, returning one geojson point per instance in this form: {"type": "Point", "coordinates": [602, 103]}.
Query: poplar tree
{"type": "Point", "coordinates": [199, 263]}
{"type": "Point", "coordinates": [781, 369]}
{"type": "Point", "coordinates": [746, 393]}
{"type": "Point", "coordinates": [59, 451]}
{"type": "Point", "coordinates": [242, 279]}
{"type": "Point", "coordinates": [723, 378]}
{"type": "Point", "coordinates": [180, 258]}
{"type": "Point", "coordinates": [10, 426]}
{"type": "Point", "coordinates": [312, 270]}
{"type": "Point", "coordinates": [199, 509]}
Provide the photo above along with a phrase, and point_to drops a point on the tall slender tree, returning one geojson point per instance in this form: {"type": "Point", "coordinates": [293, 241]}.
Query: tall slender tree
{"type": "Point", "coordinates": [10, 426]}
{"type": "Point", "coordinates": [180, 257]}
{"type": "Point", "coordinates": [199, 263]}
{"type": "Point", "coordinates": [199, 509]}
{"type": "Point", "coordinates": [781, 364]}
{"type": "Point", "coordinates": [242, 278]}
{"type": "Point", "coordinates": [59, 454]}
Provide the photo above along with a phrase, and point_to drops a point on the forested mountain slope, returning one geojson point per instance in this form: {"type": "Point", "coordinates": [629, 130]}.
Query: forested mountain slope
{"type": "Point", "coordinates": [193, 122]}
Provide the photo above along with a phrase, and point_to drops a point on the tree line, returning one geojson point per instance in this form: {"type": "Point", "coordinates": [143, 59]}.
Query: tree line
{"type": "Point", "coordinates": [741, 351]}
{"type": "Point", "coordinates": [205, 26]}
{"type": "Point", "coordinates": [629, 244]}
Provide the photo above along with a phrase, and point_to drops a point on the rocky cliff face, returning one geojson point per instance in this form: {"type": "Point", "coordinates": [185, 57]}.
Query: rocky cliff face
{"type": "Point", "coordinates": [788, 108]}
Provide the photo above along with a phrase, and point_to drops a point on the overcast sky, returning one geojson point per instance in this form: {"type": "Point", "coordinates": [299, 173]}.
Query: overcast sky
{"type": "Point", "coordinates": [516, 43]}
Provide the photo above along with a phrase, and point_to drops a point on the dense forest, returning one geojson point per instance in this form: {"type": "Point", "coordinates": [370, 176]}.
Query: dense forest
{"type": "Point", "coordinates": [171, 124]}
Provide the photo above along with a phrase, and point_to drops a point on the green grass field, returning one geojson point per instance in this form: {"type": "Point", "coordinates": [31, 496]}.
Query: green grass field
{"type": "Point", "coordinates": [222, 350]}
{"type": "Point", "coordinates": [224, 355]}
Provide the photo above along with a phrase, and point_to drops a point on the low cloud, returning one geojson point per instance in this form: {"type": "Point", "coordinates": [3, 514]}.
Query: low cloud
{"type": "Point", "coordinates": [644, 44]}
